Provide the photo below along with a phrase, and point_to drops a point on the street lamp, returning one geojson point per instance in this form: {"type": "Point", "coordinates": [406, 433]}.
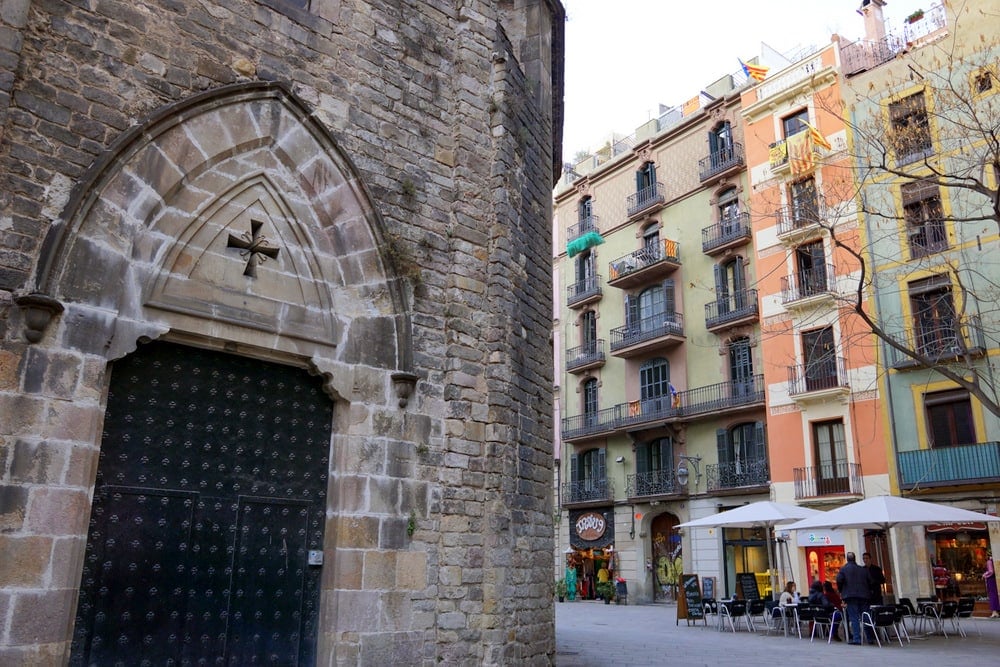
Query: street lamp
{"type": "Point", "coordinates": [683, 474]}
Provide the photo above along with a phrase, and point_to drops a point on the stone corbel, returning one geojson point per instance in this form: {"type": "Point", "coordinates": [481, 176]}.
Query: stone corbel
{"type": "Point", "coordinates": [38, 310]}
{"type": "Point", "coordinates": [403, 383]}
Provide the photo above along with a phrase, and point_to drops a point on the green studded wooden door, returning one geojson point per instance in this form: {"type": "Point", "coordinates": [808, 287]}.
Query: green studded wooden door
{"type": "Point", "coordinates": [210, 496]}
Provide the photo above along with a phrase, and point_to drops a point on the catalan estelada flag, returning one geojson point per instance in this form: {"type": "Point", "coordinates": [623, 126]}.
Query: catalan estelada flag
{"type": "Point", "coordinates": [755, 72]}
{"type": "Point", "coordinates": [817, 138]}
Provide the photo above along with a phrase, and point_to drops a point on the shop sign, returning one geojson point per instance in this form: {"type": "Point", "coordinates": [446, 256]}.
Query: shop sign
{"type": "Point", "coordinates": [590, 526]}
{"type": "Point", "coordinates": [955, 527]}
{"type": "Point", "coordinates": [820, 538]}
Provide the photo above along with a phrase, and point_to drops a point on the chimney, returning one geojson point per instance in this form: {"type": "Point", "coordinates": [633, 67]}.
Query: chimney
{"type": "Point", "coordinates": [874, 21]}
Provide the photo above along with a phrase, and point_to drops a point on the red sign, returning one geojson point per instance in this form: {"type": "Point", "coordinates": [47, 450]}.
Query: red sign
{"type": "Point", "coordinates": [591, 526]}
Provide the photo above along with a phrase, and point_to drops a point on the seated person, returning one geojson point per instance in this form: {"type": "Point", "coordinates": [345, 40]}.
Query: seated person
{"type": "Point", "coordinates": [788, 595]}
{"type": "Point", "coordinates": [818, 597]}
{"type": "Point", "coordinates": [836, 602]}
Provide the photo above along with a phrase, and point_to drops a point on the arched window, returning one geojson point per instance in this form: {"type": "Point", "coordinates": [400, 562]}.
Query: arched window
{"type": "Point", "coordinates": [650, 309]}
{"type": "Point", "coordinates": [590, 401]}
{"type": "Point", "coordinates": [585, 215]}
{"type": "Point", "coordinates": [742, 453]}
{"type": "Point", "coordinates": [730, 285]}
{"type": "Point", "coordinates": [654, 379]}
{"type": "Point", "coordinates": [729, 210]}
{"type": "Point", "coordinates": [588, 473]}
{"type": "Point", "coordinates": [654, 467]}
{"type": "Point", "coordinates": [585, 270]}
{"type": "Point", "coordinates": [588, 331]}
{"type": "Point", "coordinates": [720, 145]}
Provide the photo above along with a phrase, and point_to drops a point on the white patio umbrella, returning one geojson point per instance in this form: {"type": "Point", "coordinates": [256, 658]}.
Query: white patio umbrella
{"type": "Point", "coordinates": [885, 512]}
{"type": "Point", "coordinates": [764, 514]}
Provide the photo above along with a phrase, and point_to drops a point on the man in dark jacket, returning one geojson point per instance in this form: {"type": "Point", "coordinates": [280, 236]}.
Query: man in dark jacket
{"type": "Point", "coordinates": [854, 584]}
{"type": "Point", "coordinates": [877, 579]}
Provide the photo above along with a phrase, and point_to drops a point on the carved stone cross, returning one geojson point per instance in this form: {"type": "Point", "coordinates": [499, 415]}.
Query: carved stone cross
{"type": "Point", "coordinates": [254, 247]}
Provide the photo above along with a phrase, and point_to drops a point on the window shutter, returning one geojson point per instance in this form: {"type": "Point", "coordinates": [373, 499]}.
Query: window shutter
{"type": "Point", "coordinates": [739, 275]}
{"type": "Point", "coordinates": [640, 177]}
{"type": "Point", "coordinates": [641, 457]}
{"type": "Point", "coordinates": [632, 311]}
{"type": "Point", "coordinates": [667, 454]}
{"type": "Point", "coordinates": [720, 282]}
{"type": "Point", "coordinates": [759, 443]}
{"type": "Point", "coordinates": [574, 468]}
{"type": "Point", "coordinates": [652, 173]}
{"type": "Point", "coordinates": [669, 305]}
{"type": "Point", "coordinates": [713, 142]}
{"type": "Point", "coordinates": [725, 452]}
{"type": "Point", "coordinates": [602, 472]}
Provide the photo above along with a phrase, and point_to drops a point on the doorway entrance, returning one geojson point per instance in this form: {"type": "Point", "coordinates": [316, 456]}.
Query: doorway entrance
{"type": "Point", "coordinates": [210, 499]}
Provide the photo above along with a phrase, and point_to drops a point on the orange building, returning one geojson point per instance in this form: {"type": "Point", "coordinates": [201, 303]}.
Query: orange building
{"type": "Point", "coordinates": [825, 427]}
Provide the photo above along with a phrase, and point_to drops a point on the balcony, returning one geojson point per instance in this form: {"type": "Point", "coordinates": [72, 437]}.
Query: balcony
{"type": "Point", "coordinates": [720, 163]}
{"type": "Point", "coordinates": [864, 55]}
{"type": "Point", "coordinates": [656, 483]}
{"type": "Point", "coordinates": [808, 287]}
{"type": "Point", "coordinates": [819, 379]}
{"type": "Point", "coordinates": [646, 200]}
{"type": "Point", "coordinates": [947, 466]}
{"type": "Point", "coordinates": [729, 233]}
{"type": "Point", "coordinates": [587, 356]}
{"type": "Point", "coordinates": [587, 224]}
{"type": "Point", "coordinates": [738, 476]}
{"type": "Point", "coordinates": [590, 491]}
{"type": "Point", "coordinates": [940, 344]}
{"type": "Point", "coordinates": [734, 310]}
{"type": "Point", "coordinates": [798, 223]}
{"type": "Point", "coordinates": [708, 402]}
{"type": "Point", "coordinates": [661, 331]}
{"type": "Point", "coordinates": [645, 265]}
{"type": "Point", "coordinates": [833, 479]}
{"type": "Point", "coordinates": [778, 157]}
{"type": "Point", "coordinates": [584, 292]}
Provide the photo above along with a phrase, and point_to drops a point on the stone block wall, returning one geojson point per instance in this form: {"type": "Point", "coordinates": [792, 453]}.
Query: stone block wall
{"type": "Point", "coordinates": [446, 115]}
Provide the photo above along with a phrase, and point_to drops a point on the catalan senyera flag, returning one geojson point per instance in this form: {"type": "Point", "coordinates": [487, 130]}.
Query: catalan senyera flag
{"type": "Point", "coordinates": [818, 138]}
{"type": "Point", "coordinates": [755, 72]}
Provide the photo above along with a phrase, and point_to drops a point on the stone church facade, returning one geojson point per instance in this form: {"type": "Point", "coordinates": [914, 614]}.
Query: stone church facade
{"type": "Point", "coordinates": [275, 371]}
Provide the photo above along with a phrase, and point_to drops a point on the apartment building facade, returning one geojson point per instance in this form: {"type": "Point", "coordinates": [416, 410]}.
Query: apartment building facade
{"type": "Point", "coordinates": [656, 342]}
{"type": "Point", "coordinates": [931, 242]}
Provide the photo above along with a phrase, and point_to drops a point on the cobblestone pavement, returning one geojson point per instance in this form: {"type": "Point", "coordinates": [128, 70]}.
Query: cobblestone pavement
{"type": "Point", "coordinates": [592, 634]}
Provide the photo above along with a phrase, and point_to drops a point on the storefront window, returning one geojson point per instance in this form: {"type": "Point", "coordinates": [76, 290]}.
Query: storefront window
{"type": "Point", "coordinates": [963, 554]}
{"type": "Point", "coordinates": [746, 551]}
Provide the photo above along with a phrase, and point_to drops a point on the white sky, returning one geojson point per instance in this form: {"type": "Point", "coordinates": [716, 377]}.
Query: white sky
{"type": "Point", "coordinates": [626, 57]}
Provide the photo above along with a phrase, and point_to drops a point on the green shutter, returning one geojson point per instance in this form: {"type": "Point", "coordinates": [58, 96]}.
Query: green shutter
{"type": "Point", "coordinates": [641, 457]}
{"type": "Point", "coordinates": [574, 468]}
{"type": "Point", "coordinates": [722, 445]}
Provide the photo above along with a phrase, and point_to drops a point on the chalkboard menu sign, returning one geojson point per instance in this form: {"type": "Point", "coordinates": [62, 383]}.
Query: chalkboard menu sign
{"type": "Point", "coordinates": [693, 608]}
{"type": "Point", "coordinates": [748, 583]}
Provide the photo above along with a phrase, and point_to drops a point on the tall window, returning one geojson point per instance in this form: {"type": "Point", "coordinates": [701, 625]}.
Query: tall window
{"type": "Point", "coordinates": [588, 330]}
{"type": "Point", "coordinates": [820, 357]}
{"type": "Point", "coordinates": [810, 266]}
{"type": "Point", "coordinates": [795, 123]}
{"type": "Point", "coordinates": [729, 212]}
{"type": "Point", "coordinates": [651, 242]}
{"type": "Point", "coordinates": [590, 401]}
{"type": "Point", "coordinates": [645, 180]}
{"type": "Point", "coordinates": [910, 130]}
{"type": "Point", "coordinates": [588, 472]}
{"type": "Point", "coordinates": [742, 453]}
{"type": "Point", "coordinates": [924, 218]}
{"type": "Point", "coordinates": [654, 385]}
{"type": "Point", "coordinates": [585, 214]}
{"type": "Point", "coordinates": [720, 145]}
{"type": "Point", "coordinates": [949, 418]}
{"type": "Point", "coordinates": [651, 309]}
{"type": "Point", "coordinates": [805, 205]}
{"type": "Point", "coordinates": [730, 285]}
{"type": "Point", "coordinates": [830, 451]}
{"type": "Point", "coordinates": [935, 322]}
{"type": "Point", "coordinates": [585, 271]}
{"type": "Point", "coordinates": [654, 467]}
{"type": "Point", "coordinates": [741, 367]}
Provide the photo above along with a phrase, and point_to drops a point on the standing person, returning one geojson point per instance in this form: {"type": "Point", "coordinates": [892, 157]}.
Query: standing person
{"type": "Point", "coordinates": [854, 585]}
{"type": "Point", "coordinates": [877, 579]}
{"type": "Point", "coordinates": [990, 577]}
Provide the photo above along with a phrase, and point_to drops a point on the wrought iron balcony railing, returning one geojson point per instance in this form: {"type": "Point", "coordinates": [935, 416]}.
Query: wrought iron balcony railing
{"type": "Point", "coordinates": [808, 283]}
{"type": "Point", "coordinates": [647, 197]}
{"type": "Point", "coordinates": [720, 161]}
{"type": "Point", "coordinates": [721, 476]}
{"type": "Point", "coordinates": [704, 401]}
{"type": "Point", "coordinates": [821, 374]}
{"type": "Point", "coordinates": [734, 308]}
{"type": "Point", "coordinates": [726, 233]}
{"type": "Point", "coordinates": [940, 341]}
{"type": "Point", "coordinates": [793, 220]}
{"type": "Point", "coordinates": [840, 478]}
{"type": "Point", "coordinates": [959, 464]}
{"type": "Point", "coordinates": [647, 329]}
{"type": "Point", "coordinates": [587, 491]}
{"type": "Point", "coordinates": [585, 356]}
{"type": "Point", "coordinates": [667, 251]}
{"type": "Point", "coordinates": [583, 291]}
{"type": "Point", "coordinates": [586, 224]}
{"type": "Point", "coordinates": [652, 483]}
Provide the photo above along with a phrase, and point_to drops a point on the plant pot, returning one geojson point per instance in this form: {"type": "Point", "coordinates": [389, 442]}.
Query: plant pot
{"type": "Point", "coordinates": [607, 601]}
{"type": "Point", "coordinates": [561, 598]}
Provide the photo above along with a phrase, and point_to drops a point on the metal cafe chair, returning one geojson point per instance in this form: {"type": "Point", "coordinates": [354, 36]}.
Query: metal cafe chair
{"type": "Point", "coordinates": [909, 612]}
{"type": "Point", "coordinates": [711, 606]}
{"type": "Point", "coordinates": [728, 611]}
{"type": "Point", "coordinates": [899, 620]}
{"type": "Point", "coordinates": [880, 619]}
{"type": "Point", "coordinates": [806, 614]}
{"type": "Point", "coordinates": [823, 620]}
{"type": "Point", "coordinates": [757, 609]}
{"type": "Point", "coordinates": [949, 612]}
{"type": "Point", "coordinates": [965, 608]}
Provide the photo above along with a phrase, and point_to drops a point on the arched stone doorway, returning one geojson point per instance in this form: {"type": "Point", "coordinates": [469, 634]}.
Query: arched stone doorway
{"type": "Point", "coordinates": [666, 552]}
{"type": "Point", "coordinates": [230, 224]}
